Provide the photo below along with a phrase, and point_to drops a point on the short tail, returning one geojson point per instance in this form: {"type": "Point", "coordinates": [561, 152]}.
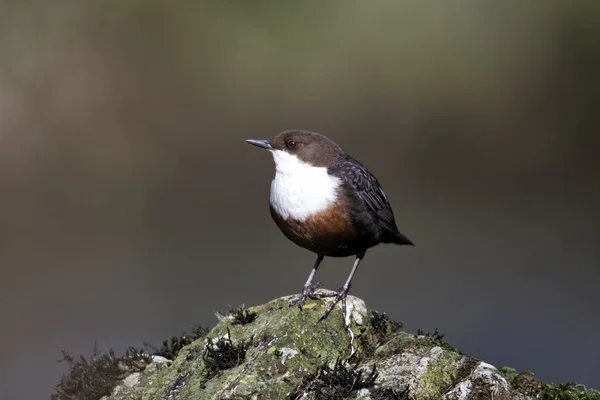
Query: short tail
{"type": "Point", "coordinates": [402, 240]}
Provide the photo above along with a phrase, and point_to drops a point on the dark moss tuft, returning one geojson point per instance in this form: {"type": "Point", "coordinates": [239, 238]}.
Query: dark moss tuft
{"type": "Point", "coordinates": [242, 316]}
{"type": "Point", "coordinates": [466, 368]}
{"type": "Point", "coordinates": [94, 378]}
{"type": "Point", "coordinates": [337, 383]}
{"type": "Point", "coordinates": [567, 391]}
{"type": "Point", "coordinates": [171, 347]}
{"type": "Point", "coordinates": [389, 394]}
{"type": "Point", "coordinates": [524, 381]}
{"type": "Point", "coordinates": [378, 330]}
{"type": "Point", "coordinates": [437, 338]}
{"type": "Point", "coordinates": [223, 354]}
{"type": "Point", "coordinates": [265, 339]}
{"type": "Point", "coordinates": [527, 384]}
{"type": "Point", "coordinates": [174, 388]}
{"type": "Point", "coordinates": [482, 389]}
{"type": "Point", "coordinates": [436, 335]}
{"type": "Point", "coordinates": [382, 326]}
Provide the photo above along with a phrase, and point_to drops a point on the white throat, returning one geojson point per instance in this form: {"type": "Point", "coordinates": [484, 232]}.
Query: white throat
{"type": "Point", "coordinates": [299, 189]}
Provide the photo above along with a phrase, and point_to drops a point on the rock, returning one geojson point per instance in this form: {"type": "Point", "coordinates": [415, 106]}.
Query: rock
{"type": "Point", "coordinates": [286, 354]}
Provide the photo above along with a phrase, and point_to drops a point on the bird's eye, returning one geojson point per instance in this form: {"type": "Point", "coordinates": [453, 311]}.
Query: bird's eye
{"type": "Point", "coordinates": [291, 144]}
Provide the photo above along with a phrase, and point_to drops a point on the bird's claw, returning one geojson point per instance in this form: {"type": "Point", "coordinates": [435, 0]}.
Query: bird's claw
{"type": "Point", "coordinates": [298, 301]}
{"type": "Point", "coordinates": [339, 295]}
{"type": "Point", "coordinates": [307, 292]}
{"type": "Point", "coordinates": [310, 292]}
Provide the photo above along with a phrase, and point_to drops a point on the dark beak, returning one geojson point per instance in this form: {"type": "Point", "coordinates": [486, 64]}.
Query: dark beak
{"type": "Point", "coordinates": [263, 144]}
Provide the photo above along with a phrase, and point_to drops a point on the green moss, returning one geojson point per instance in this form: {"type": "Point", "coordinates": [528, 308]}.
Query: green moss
{"type": "Point", "coordinates": [527, 384]}
{"type": "Point", "coordinates": [401, 342]}
{"type": "Point", "coordinates": [282, 347]}
{"type": "Point", "coordinates": [273, 352]}
{"type": "Point", "coordinates": [567, 391]}
{"type": "Point", "coordinates": [441, 373]}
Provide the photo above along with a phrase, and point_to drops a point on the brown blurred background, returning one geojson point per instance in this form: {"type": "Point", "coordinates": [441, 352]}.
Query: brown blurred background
{"type": "Point", "coordinates": [131, 209]}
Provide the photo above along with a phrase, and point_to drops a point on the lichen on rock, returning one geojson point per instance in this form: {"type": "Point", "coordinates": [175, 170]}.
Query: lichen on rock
{"type": "Point", "coordinates": [285, 353]}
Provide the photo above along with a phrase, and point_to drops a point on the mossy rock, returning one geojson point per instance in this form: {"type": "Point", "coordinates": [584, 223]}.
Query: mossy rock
{"type": "Point", "coordinates": [287, 354]}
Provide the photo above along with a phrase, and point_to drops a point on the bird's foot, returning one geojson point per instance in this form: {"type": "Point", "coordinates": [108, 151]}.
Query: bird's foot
{"type": "Point", "coordinates": [339, 295]}
{"type": "Point", "coordinates": [313, 294]}
{"type": "Point", "coordinates": [307, 292]}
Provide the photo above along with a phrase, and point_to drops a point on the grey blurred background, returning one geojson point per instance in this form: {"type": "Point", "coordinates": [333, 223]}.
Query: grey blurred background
{"type": "Point", "coordinates": [131, 209]}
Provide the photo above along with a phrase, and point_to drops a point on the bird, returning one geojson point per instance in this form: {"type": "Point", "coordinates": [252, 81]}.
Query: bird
{"type": "Point", "coordinates": [327, 202]}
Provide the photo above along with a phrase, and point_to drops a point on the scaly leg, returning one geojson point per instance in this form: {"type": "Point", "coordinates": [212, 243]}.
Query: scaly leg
{"type": "Point", "coordinates": [343, 292]}
{"type": "Point", "coordinates": [309, 288]}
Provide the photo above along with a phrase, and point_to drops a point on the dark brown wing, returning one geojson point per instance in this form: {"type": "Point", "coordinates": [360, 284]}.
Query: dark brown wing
{"type": "Point", "coordinates": [367, 189]}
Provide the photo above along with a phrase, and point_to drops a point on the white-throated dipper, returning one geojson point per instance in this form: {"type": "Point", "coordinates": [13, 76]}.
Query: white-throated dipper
{"type": "Point", "coordinates": [327, 202]}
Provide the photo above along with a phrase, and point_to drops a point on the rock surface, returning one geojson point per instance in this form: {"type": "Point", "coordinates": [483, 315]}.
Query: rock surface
{"type": "Point", "coordinates": [286, 354]}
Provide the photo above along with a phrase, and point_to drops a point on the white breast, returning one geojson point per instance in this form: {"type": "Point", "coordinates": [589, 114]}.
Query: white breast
{"type": "Point", "coordinates": [300, 190]}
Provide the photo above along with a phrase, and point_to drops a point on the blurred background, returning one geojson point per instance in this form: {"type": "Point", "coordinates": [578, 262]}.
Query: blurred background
{"type": "Point", "coordinates": [131, 208]}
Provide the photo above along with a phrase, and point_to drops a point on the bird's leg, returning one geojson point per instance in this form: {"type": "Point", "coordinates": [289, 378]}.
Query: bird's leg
{"type": "Point", "coordinates": [343, 292]}
{"type": "Point", "coordinates": [309, 288]}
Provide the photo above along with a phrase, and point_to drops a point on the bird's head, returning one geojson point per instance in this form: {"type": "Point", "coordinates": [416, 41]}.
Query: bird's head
{"type": "Point", "coordinates": [294, 149]}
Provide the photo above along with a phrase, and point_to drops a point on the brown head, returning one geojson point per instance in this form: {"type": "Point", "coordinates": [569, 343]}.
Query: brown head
{"type": "Point", "coordinates": [310, 147]}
